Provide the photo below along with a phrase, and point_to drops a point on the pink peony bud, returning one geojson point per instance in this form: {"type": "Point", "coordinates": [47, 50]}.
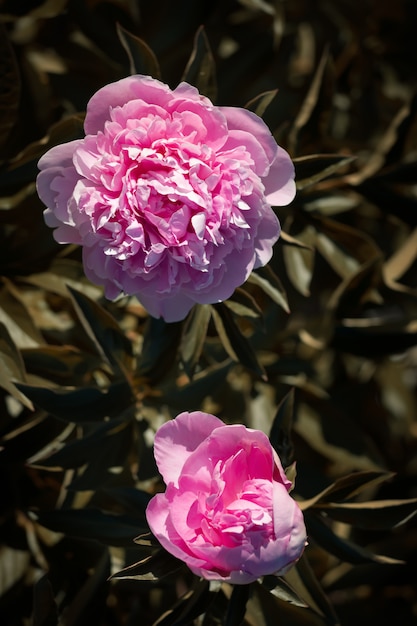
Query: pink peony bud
{"type": "Point", "coordinates": [226, 511]}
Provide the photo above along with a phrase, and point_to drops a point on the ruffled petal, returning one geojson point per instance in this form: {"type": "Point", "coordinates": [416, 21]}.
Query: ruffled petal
{"type": "Point", "coordinates": [177, 439]}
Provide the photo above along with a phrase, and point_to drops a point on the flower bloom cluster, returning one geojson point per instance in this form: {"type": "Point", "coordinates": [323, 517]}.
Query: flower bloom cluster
{"type": "Point", "coordinates": [226, 511]}
{"type": "Point", "coordinates": [169, 196]}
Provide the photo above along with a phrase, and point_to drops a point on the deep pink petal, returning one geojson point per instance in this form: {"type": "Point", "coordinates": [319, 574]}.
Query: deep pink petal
{"type": "Point", "coordinates": [178, 438]}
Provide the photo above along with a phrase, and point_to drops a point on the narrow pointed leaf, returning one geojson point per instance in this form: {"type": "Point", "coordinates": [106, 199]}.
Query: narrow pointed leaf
{"type": "Point", "coordinates": [141, 58]}
{"type": "Point", "coordinates": [153, 567]}
{"type": "Point", "coordinates": [343, 549]}
{"type": "Point", "coordinates": [200, 70]}
{"type": "Point", "coordinates": [280, 434]}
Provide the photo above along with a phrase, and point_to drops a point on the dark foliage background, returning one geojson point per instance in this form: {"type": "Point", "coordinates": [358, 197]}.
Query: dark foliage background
{"type": "Point", "coordinates": [318, 350]}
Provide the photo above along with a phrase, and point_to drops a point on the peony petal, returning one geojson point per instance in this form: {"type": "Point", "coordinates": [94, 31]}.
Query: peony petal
{"type": "Point", "coordinates": [177, 439]}
{"type": "Point", "coordinates": [242, 119]}
{"type": "Point", "coordinates": [120, 92]}
{"type": "Point", "coordinates": [279, 184]}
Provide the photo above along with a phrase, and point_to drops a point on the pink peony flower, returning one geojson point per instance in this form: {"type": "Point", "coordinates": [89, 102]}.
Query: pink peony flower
{"type": "Point", "coordinates": [226, 511]}
{"type": "Point", "coordinates": [169, 196]}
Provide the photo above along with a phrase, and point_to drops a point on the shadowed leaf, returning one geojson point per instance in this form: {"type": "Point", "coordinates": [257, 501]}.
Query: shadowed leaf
{"type": "Point", "coordinates": [235, 343]}
{"type": "Point", "coordinates": [141, 58]}
{"type": "Point", "coordinates": [341, 548]}
{"type": "Point", "coordinates": [45, 611]}
{"type": "Point", "coordinates": [260, 103]}
{"type": "Point", "coordinates": [103, 330]}
{"type": "Point", "coordinates": [269, 282]}
{"type": "Point", "coordinates": [348, 487]}
{"type": "Point", "coordinates": [193, 337]}
{"type": "Point", "coordinates": [9, 87]}
{"type": "Point", "coordinates": [87, 404]}
{"type": "Point", "coordinates": [159, 349]}
{"type": "Point", "coordinates": [200, 70]}
{"type": "Point", "coordinates": [154, 567]}
{"type": "Point", "coordinates": [313, 168]}
{"type": "Point", "coordinates": [280, 434]}
{"type": "Point", "coordinates": [113, 530]}
{"type": "Point", "coordinates": [376, 515]}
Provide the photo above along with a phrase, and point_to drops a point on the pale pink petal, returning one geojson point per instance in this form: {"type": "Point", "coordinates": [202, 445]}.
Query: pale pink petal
{"type": "Point", "coordinates": [118, 93]}
{"type": "Point", "coordinates": [279, 184]}
{"type": "Point", "coordinates": [242, 119]}
{"type": "Point", "coordinates": [177, 439]}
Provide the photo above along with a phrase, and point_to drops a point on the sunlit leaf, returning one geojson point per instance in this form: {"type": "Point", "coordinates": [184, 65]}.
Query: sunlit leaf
{"type": "Point", "coordinates": [193, 337]}
{"type": "Point", "coordinates": [142, 59]}
{"type": "Point", "coordinates": [348, 486]}
{"type": "Point", "coordinates": [340, 547]}
{"type": "Point", "coordinates": [313, 168]}
{"type": "Point", "coordinates": [299, 261]}
{"type": "Point", "coordinates": [271, 285]}
{"type": "Point", "coordinates": [282, 590]}
{"type": "Point", "coordinates": [200, 70]}
{"type": "Point", "coordinates": [11, 367]}
{"type": "Point", "coordinates": [376, 514]}
{"type": "Point", "coordinates": [153, 567]}
{"type": "Point", "coordinates": [260, 103]}
{"type": "Point", "coordinates": [309, 103]}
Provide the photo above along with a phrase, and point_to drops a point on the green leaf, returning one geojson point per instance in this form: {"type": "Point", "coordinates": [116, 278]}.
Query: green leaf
{"type": "Point", "coordinates": [9, 87]}
{"type": "Point", "coordinates": [242, 304]}
{"type": "Point", "coordinates": [310, 101]}
{"type": "Point", "coordinates": [313, 168]}
{"type": "Point", "coordinates": [104, 331]}
{"type": "Point", "coordinates": [264, 606]}
{"type": "Point", "coordinates": [159, 350]}
{"type": "Point", "coordinates": [315, 589]}
{"type": "Point", "coordinates": [11, 367]}
{"type": "Point", "coordinates": [193, 337]}
{"type": "Point", "coordinates": [269, 282]}
{"type": "Point", "coordinates": [153, 567]}
{"type": "Point", "coordinates": [235, 343]}
{"type": "Point", "coordinates": [64, 365]}
{"type": "Point", "coordinates": [83, 405]}
{"type": "Point", "coordinates": [375, 515]}
{"type": "Point", "coordinates": [44, 606]}
{"type": "Point", "coordinates": [190, 606]}
{"type": "Point", "coordinates": [299, 261]}
{"type": "Point", "coordinates": [200, 70]}
{"type": "Point", "coordinates": [339, 547]}
{"type": "Point", "coordinates": [279, 588]}
{"type": "Point", "coordinates": [141, 58]}
{"type": "Point", "coordinates": [193, 394]}
{"type": "Point", "coordinates": [105, 448]}
{"type": "Point", "coordinates": [280, 434]}
{"type": "Point", "coordinates": [113, 530]}
{"type": "Point", "coordinates": [347, 487]}
{"type": "Point", "coordinates": [260, 103]}
{"type": "Point", "coordinates": [237, 605]}
{"type": "Point", "coordinates": [23, 168]}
